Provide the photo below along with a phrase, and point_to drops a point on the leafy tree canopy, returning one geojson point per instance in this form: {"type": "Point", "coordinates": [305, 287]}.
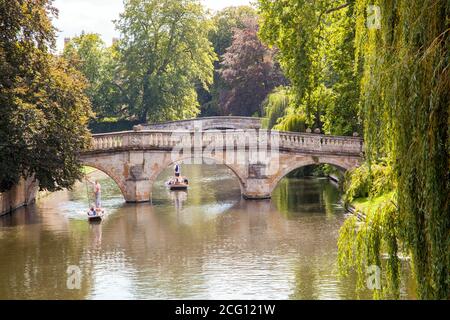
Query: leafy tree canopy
{"type": "Point", "coordinates": [405, 98]}
{"type": "Point", "coordinates": [98, 63]}
{"type": "Point", "coordinates": [316, 51]}
{"type": "Point", "coordinates": [225, 21]}
{"type": "Point", "coordinates": [221, 36]}
{"type": "Point", "coordinates": [44, 109]}
{"type": "Point", "coordinates": [164, 51]}
{"type": "Point", "coordinates": [249, 71]}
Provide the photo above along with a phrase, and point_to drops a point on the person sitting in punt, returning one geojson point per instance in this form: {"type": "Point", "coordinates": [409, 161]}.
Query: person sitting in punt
{"type": "Point", "coordinates": [92, 212]}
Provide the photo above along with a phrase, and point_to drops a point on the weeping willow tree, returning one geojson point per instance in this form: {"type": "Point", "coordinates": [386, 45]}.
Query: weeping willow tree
{"type": "Point", "coordinates": [403, 47]}
{"type": "Point", "coordinates": [280, 112]}
{"type": "Point", "coordinates": [275, 106]}
{"type": "Point", "coordinates": [293, 122]}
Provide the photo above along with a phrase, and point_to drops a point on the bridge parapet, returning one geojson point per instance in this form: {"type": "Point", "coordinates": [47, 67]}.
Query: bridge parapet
{"type": "Point", "coordinates": [320, 143]}
{"type": "Point", "coordinates": [241, 139]}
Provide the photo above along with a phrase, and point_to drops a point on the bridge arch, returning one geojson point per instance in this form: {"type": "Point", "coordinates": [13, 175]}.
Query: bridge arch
{"type": "Point", "coordinates": [109, 171]}
{"type": "Point", "coordinates": [217, 159]}
{"type": "Point", "coordinates": [343, 164]}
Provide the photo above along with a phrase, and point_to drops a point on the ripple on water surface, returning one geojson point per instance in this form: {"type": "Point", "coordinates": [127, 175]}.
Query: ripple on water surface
{"type": "Point", "coordinates": [206, 243]}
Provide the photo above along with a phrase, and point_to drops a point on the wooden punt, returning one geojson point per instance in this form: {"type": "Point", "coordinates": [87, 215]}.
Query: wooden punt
{"type": "Point", "coordinates": [100, 213]}
{"type": "Point", "coordinates": [180, 183]}
{"type": "Point", "coordinates": [181, 186]}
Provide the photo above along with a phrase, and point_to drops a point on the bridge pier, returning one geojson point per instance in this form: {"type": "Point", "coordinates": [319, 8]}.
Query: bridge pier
{"type": "Point", "coordinates": [137, 191]}
{"type": "Point", "coordinates": [256, 189]}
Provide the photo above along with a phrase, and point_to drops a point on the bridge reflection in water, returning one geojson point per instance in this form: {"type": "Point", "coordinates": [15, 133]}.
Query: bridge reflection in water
{"type": "Point", "coordinates": [214, 245]}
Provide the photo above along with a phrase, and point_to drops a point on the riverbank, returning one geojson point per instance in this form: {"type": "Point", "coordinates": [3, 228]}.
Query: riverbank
{"type": "Point", "coordinates": [351, 208]}
{"type": "Point", "coordinates": [363, 206]}
{"type": "Point", "coordinates": [22, 194]}
{"type": "Point", "coordinates": [27, 192]}
{"type": "Point", "coordinates": [360, 205]}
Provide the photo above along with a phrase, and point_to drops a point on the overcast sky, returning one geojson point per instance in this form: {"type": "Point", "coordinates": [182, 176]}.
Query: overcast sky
{"type": "Point", "coordinates": [97, 15]}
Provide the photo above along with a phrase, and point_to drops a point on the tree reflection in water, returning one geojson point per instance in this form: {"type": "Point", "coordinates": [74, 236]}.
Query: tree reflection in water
{"type": "Point", "coordinates": [206, 243]}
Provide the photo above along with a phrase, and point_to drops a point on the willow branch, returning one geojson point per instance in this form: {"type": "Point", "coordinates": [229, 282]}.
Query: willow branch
{"type": "Point", "coordinates": [345, 5]}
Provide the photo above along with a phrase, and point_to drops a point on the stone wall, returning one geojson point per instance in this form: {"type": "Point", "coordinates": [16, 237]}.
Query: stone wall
{"type": "Point", "coordinates": [22, 194]}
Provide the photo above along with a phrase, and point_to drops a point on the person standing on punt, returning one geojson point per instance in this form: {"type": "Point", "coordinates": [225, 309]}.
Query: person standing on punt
{"type": "Point", "coordinates": [177, 170]}
{"type": "Point", "coordinates": [97, 193]}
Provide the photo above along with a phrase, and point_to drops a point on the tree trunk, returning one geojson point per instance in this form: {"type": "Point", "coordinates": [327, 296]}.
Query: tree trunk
{"type": "Point", "coordinates": [143, 116]}
{"type": "Point", "coordinates": [146, 98]}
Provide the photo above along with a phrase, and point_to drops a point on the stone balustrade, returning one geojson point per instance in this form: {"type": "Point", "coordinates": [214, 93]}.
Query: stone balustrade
{"type": "Point", "coordinates": [239, 139]}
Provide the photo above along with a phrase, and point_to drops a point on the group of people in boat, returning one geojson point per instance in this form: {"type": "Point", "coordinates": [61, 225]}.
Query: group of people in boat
{"type": "Point", "coordinates": [178, 179]}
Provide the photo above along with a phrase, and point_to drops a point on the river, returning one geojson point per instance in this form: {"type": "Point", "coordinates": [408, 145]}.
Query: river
{"type": "Point", "coordinates": [206, 243]}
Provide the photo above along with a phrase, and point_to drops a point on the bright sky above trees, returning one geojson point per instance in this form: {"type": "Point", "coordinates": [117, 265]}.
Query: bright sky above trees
{"type": "Point", "coordinates": [97, 15]}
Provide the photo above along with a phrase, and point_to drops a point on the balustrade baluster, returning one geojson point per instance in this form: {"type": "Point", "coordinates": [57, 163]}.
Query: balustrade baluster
{"type": "Point", "coordinates": [152, 139]}
{"type": "Point", "coordinates": [159, 140]}
{"type": "Point", "coordinates": [166, 140]}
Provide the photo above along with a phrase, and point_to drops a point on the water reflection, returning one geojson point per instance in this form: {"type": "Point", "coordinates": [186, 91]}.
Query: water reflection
{"type": "Point", "coordinates": [206, 243]}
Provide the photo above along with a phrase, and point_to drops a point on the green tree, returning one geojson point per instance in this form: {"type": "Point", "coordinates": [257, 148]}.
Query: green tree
{"type": "Point", "coordinates": [275, 106]}
{"type": "Point", "coordinates": [164, 51]}
{"type": "Point", "coordinates": [86, 52]}
{"type": "Point", "coordinates": [225, 21]}
{"type": "Point", "coordinates": [43, 107]}
{"type": "Point", "coordinates": [316, 52]}
{"type": "Point", "coordinates": [89, 54]}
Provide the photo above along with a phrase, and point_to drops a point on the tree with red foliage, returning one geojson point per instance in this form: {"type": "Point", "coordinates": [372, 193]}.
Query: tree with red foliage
{"type": "Point", "coordinates": [250, 72]}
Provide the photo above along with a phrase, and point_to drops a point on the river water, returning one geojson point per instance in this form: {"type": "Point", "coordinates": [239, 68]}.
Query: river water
{"type": "Point", "coordinates": [206, 243]}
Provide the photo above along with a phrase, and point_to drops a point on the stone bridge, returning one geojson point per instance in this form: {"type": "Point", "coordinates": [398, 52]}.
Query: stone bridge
{"type": "Point", "coordinates": [258, 158]}
{"type": "Point", "coordinates": [208, 123]}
